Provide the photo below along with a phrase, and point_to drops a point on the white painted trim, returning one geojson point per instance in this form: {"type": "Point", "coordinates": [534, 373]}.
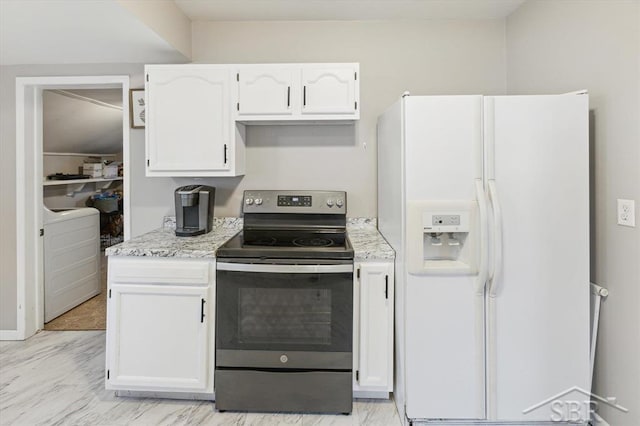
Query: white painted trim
{"type": "Point", "coordinates": [9, 335]}
{"type": "Point", "coordinates": [126, 157]}
{"type": "Point", "coordinates": [20, 209]}
{"type": "Point", "coordinates": [29, 301]}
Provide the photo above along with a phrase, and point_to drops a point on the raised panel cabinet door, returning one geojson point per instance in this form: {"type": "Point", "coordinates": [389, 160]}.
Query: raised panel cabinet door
{"type": "Point", "coordinates": [157, 338]}
{"type": "Point", "coordinates": [376, 325]}
{"type": "Point", "coordinates": [265, 91]}
{"type": "Point", "coordinates": [329, 89]}
{"type": "Point", "coordinates": [188, 119]}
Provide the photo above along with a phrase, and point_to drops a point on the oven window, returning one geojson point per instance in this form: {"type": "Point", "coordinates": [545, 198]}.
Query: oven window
{"type": "Point", "coordinates": [284, 316]}
{"type": "Point", "coordinates": [280, 311]}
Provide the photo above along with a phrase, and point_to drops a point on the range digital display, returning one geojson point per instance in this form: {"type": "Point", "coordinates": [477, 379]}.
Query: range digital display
{"type": "Point", "coordinates": [294, 201]}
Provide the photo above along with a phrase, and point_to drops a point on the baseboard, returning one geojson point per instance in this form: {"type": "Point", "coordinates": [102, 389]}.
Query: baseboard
{"type": "Point", "coordinates": [371, 394]}
{"type": "Point", "coordinates": [10, 335]}
{"type": "Point", "coordinates": [424, 422]}
{"type": "Point", "coordinates": [166, 395]}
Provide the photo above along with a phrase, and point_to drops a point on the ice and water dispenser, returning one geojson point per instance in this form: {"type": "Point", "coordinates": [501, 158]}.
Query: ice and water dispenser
{"type": "Point", "coordinates": [442, 237]}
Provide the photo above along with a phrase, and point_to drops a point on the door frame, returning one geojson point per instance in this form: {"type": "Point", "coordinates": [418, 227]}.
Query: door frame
{"type": "Point", "coordinates": [29, 193]}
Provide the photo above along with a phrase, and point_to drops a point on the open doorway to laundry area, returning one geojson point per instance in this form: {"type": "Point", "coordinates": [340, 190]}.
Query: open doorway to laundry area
{"type": "Point", "coordinates": [73, 201]}
{"type": "Point", "coordinates": [82, 200]}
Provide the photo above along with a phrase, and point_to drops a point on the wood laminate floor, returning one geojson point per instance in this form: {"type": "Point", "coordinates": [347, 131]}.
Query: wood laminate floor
{"type": "Point", "coordinates": [57, 378]}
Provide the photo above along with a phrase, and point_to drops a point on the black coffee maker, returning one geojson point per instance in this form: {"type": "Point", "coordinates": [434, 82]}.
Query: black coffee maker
{"type": "Point", "coordinates": [194, 209]}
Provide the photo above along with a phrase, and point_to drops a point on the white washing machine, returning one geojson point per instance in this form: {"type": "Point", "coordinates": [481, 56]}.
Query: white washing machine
{"type": "Point", "coordinates": [71, 259]}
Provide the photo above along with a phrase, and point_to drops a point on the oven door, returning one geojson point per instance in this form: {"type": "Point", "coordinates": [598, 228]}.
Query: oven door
{"type": "Point", "coordinates": [284, 316]}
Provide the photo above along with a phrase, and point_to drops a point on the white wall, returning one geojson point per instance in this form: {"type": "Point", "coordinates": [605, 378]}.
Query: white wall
{"type": "Point", "coordinates": [555, 47]}
{"type": "Point", "coordinates": [147, 204]}
{"type": "Point", "coordinates": [166, 19]}
{"type": "Point", "coordinates": [424, 57]}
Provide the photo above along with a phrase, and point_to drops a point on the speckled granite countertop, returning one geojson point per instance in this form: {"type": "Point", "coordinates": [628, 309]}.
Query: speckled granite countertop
{"type": "Point", "coordinates": [367, 242]}
{"type": "Point", "coordinates": [164, 243]}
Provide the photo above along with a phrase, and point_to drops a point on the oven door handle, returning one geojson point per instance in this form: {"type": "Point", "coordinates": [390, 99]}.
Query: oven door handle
{"type": "Point", "coordinates": [283, 269]}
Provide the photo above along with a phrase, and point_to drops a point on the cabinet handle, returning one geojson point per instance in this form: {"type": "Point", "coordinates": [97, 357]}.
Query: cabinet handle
{"type": "Point", "coordinates": [304, 95]}
{"type": "Point", "coordinates": [288, 96]}
{"type": "Point", "coordinates": [225, 153]}
{"type": "Point", "coordinates": [202, 309]}
{"type": "Point", "coordinates": [386, 286]}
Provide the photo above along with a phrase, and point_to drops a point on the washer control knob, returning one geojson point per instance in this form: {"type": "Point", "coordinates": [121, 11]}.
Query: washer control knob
{"type": "Point", "coordinates": [248, 201]}
{"type": "Point", "coordinates": [330, 202]}
{"type": "Point", "coordinates": [339, 203]}
{"type": "Point", "coordinates": [258, 201]}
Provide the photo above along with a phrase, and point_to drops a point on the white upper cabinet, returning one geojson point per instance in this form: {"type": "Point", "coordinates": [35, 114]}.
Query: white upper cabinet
{"type": "Point", "coordinates": [195, 113]}
{"type": "Point", "coordinates": [264, 90]}
{"type": "Point", "coordinates": [297, 93]}
{"type": "Point", "coordinates": [189, 127]}
{"type": "Point", "coordinates": [330, 89]}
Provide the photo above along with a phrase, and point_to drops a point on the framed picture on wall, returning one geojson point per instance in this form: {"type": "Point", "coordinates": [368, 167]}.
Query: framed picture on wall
{"type": "Point", "coordinates": [136, 108]}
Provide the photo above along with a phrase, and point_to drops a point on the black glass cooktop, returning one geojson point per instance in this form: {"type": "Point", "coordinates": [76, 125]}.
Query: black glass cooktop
{"type": "Point", "coordinates": [292, 244]}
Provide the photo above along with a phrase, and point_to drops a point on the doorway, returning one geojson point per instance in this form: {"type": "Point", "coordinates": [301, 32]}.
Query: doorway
{"type": "Point", "coordinates": [30, 92]}
{"type": "Point", "coordinates": [83, 202]}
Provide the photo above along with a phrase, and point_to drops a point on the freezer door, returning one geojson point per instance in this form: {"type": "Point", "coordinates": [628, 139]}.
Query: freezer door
{"type": "Point", "coordinates": [444, 312]}
{"type": "Point", "coordinates": [537, 171]}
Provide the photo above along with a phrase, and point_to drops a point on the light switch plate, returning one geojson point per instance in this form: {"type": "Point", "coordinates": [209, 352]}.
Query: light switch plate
{"type": "Point", "coordinates": [627, 212]}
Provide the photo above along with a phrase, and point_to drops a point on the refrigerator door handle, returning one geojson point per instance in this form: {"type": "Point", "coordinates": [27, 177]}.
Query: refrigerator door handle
{"type": "Point", "coordinates": [483, 270]}
{"type": "Point", "coordinates": [497, 239]}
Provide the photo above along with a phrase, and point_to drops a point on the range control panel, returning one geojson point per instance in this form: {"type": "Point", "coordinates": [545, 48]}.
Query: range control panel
{"type": "Point", "coordinates": [317, 202]}
{"type": "Point", "coordinates": [294, 200]}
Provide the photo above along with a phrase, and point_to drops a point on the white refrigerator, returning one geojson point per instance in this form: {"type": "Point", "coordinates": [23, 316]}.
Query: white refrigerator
{"type": "Point", "coordinates": [486, 203]}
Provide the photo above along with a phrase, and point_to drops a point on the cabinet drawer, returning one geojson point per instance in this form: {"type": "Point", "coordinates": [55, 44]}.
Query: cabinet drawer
{"type": "Point", "coordinates": [159, 271]}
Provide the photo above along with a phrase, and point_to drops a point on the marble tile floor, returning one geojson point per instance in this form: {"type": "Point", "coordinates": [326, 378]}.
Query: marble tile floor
{"type": "Point", "coordinates": [57, 378]}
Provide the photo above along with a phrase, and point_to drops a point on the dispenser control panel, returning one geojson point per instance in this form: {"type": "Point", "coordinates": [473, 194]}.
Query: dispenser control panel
{"type": "Point", "coordinates": [445, 219]}
{"type": "Point", "coordinates": [439, 221]}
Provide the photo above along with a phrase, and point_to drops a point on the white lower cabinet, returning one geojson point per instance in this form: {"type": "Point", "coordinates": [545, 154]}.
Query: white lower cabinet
{"type": "Point", "coordinates": [373, 327]}
{"type": "Point", "coordinates": [160, 323]}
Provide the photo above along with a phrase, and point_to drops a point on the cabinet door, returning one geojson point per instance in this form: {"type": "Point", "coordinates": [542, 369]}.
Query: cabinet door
{"type": "Point", "coordinates": [264, 91]}
{"type": "Point", "coordinates": [329, 89]}
{"type": "Point", "coordinates": [375, 363]}
{"type": "Point", "coordinates": [188, 119]}
{"type": "Point", "coordinates": [157, 338]}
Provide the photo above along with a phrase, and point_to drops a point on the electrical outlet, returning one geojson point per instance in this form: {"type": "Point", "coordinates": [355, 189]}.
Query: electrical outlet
{"type": "Point", "coordinates": [627, 212]}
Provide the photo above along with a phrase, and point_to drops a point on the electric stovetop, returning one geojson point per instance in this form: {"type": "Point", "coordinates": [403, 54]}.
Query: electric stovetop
{"type": "Point", "coordinates": [291, 244]}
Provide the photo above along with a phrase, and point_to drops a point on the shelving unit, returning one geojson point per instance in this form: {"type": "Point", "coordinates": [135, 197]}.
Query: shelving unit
{"type": "Point", "coordinates": [77, 185]}
{"type": "Point", "coordinates": [76, 154]}
{"type": "Point", "coordinates": [79, 181]}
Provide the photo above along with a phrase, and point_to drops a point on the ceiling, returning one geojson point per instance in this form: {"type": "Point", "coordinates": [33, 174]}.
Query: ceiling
{"type": "Point", "coordinates": [103, 31]}
{"type": "Point", "coordinates": [88, 120]}
{"type": "Point", "coordinates": [341, 10]}
{"type": "Point", "coordinates": [77, 31]}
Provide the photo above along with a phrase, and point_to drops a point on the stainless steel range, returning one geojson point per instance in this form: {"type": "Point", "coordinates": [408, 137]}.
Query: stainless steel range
{"type": "Point", "coordinates": [284, 306]}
